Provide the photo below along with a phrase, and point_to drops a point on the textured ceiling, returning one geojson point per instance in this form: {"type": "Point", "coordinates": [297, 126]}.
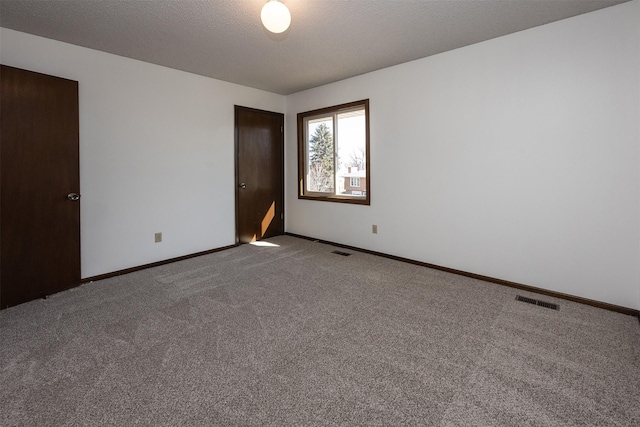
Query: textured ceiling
{"type": "Point", "coordinates": [328, 40]}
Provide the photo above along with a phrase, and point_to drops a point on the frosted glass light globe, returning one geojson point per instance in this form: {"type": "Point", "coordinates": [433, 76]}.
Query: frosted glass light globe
{"type": "Point", "coordinates": [275, 16]}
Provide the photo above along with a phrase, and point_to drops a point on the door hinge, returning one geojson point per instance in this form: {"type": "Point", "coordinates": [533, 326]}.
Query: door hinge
{"type": "Point", "coordinates": [281, 129]}
{"type": "Point", "coordinates": [281, 216]}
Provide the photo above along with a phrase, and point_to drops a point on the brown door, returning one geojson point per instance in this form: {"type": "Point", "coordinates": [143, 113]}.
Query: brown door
{"type": "Point", "coordinates": [39, 210]}
{"type": "Point", "coordinates": [259, 174]}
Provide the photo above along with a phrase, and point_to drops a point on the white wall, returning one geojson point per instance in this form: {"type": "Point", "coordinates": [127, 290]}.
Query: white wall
{"type": "Point", "coordinates": [156, 152]}
{"type": "Point", "coordinates": [517, 158]}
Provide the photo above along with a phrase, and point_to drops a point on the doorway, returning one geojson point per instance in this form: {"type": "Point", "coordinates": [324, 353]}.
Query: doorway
{"type": "Point", "coordinates": [40, 182]}
{"type": "Point", "coordinates": [259, 147]}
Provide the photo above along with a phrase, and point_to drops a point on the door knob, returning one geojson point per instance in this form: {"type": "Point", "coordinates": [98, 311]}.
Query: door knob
{"type": "Point", "coordinates": [73, 197]}
{"type": "Point", "coordinates": [243, 185]}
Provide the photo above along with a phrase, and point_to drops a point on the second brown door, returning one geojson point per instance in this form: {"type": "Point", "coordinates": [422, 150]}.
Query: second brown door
{"type": "Point", "coordinates": [259, 174]}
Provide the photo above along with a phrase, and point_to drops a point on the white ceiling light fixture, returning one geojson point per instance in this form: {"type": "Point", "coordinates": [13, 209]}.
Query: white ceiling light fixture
{"type": "Point", "coordinates": [275, 16]}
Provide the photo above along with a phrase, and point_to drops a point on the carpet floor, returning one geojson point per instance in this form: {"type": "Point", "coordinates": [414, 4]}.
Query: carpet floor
{"type": "Point", "coordinates": [294, 335]}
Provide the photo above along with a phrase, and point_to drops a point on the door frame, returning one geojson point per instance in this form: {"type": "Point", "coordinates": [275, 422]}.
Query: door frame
{"type": "Point", "coordinates": [236, 180]}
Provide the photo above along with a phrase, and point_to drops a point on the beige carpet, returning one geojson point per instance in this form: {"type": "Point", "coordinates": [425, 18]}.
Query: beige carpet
{"type": "Point", "coordinates": [293, 335]}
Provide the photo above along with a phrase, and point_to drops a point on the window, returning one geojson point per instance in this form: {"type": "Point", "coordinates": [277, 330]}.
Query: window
{"type": "Point", "coordinates": [333, 154]}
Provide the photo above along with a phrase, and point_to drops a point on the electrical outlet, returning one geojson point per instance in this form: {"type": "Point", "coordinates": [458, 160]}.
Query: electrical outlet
{"type": "Point", "coordinates": [374, 229]}
{"type": "Point", "coordinates": [158, 237]}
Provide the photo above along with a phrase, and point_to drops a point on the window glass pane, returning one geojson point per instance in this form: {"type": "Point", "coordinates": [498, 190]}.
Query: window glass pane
{"type": "Point", "coordinates": [351, 151]}
{"type": "Point", "coordinates": [320, 157]}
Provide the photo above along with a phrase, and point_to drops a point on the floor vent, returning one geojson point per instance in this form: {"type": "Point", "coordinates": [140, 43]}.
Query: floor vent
{"type": "Point", "coordinates": [538, 302]}
{"type": "Point", "coordinates": [341, 253]}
